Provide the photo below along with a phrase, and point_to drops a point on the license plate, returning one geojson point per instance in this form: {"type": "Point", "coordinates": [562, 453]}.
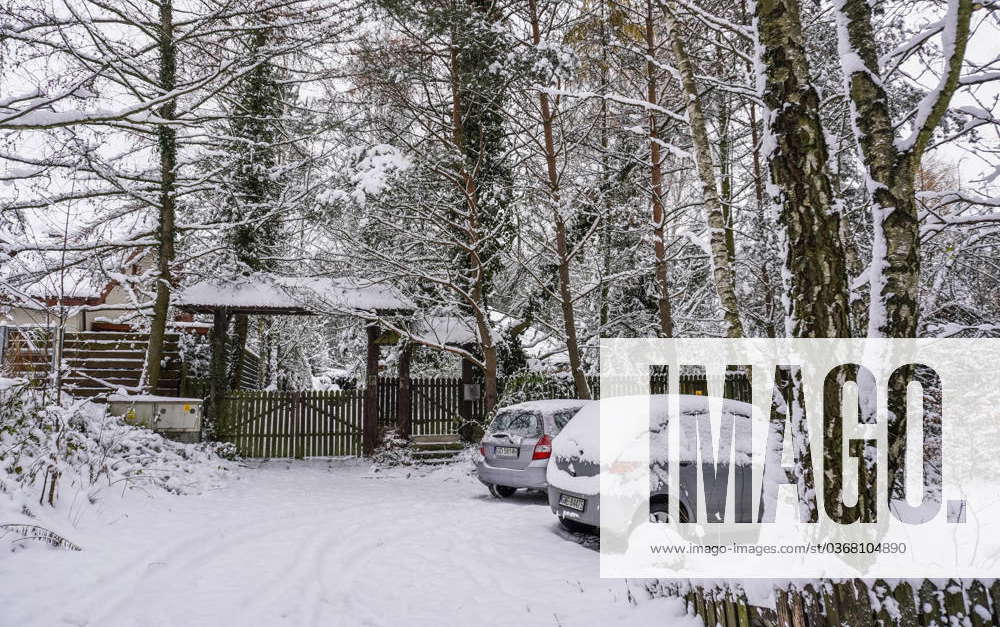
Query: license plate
{"type": "Point", "coordinates": [572, 502]}
{"type": "Point", "coordinates": [506, 451]}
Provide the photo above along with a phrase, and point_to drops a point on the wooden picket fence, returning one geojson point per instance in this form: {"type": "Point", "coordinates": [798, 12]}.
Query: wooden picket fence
{"type": "Point", "coordinates": [328, 423]}
{"type": "Point", "coordinates": [289, 423]}
{"type": "Point", "coordinates": [292, 424]}
{"type": "Point", "coordinates": [851, 602]}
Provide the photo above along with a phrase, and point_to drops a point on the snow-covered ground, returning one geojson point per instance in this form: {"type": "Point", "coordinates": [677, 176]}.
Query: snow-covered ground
{"type": "Point", "coordinates": [323, 542]}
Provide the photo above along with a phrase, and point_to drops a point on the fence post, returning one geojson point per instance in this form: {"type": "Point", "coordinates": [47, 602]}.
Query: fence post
{"type": "Point", "coordinates": [217, 386]}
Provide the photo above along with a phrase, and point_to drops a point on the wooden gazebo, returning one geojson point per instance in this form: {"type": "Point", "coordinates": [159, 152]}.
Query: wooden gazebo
{"type": "Point", "coordinates": [268, 295]}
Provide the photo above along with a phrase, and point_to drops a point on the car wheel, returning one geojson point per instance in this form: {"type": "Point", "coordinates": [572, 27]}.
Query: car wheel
{"type": "Point", "coordinates": [660, 512]}
{"type": "Point", "coordinates": [502, 491]}
{"type": "Point", "coordinates": [575, 526]}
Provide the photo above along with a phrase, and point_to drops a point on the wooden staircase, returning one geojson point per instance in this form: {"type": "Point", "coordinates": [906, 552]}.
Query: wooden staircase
{"type": "Point", "coordinates": [95, 362]}
{"type": "Point", "coordinates": [436, 449]}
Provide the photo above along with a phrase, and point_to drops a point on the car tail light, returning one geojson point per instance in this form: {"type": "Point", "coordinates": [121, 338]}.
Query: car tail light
{"type": "Point", "coordinates": [543, 450]}
{"type": "Point", "coordinates": [482, 450]}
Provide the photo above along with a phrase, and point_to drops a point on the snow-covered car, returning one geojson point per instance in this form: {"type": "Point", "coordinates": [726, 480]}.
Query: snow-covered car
{"type": "Point", "coordinates": [573, 472]}
{"type": "Point", "coordinates": [516, 447]}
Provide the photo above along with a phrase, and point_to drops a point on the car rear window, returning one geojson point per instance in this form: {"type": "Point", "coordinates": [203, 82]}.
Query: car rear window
{"type": "Point", "coordinates": [523, 423]}
{"type": "Point", "coordinates": [562, 418]}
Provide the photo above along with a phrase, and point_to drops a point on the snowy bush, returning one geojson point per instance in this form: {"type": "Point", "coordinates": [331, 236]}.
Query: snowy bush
{"type": "Point", "coordinates": [534, 386]}
{"type": "Point", "coordinates": [48, 450]}
{"type": "Point", "coordinates": [395, 450]}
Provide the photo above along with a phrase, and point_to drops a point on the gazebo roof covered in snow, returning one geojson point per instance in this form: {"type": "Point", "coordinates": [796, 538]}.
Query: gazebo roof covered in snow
{"type": "Point", "coordinates": [269, 294]}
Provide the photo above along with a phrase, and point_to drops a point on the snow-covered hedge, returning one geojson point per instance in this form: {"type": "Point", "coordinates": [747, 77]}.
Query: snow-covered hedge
{"type": "Point", "coordinates": [69, 454]}
{"type": "Point", "coordinates": [534, 386]}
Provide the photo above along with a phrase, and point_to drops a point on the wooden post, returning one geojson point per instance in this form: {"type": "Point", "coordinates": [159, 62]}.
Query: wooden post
{"type": "Point", "coordinates": [217, 380]}
{"type": "Point", "coordinates": [404, 396]}
{"type": "Point", "coordinates": [369, 429]}
{"type": "Point", "coordinates": [465, 407]}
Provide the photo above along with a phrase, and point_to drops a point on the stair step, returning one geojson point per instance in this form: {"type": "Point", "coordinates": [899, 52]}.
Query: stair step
{"type": "Point", "coordinates": [91, 392]}
{"type": "Point", "coordinates": [434, 460]}
{"type": "Point", "coordinates": [422, 455]}
{"type": "Point", "coordinates": [116, 335]}
{"type": "Point", "coordinates": [113, 345]}
{"type": "Point", "coordinates": [126, 381]}
{"type": "Point", "coordinates": [444, 438]}
{"type": "Point", "coordinates": [172, 371]}
{"type": "Point", "coordinates": [438, 446]}
{"type": "Point", "coordinates": [80, 356]}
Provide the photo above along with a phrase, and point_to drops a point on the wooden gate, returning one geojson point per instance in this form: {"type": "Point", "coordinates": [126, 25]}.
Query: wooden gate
{"type": "Point", "coordinates": [292, 424]}
{"type": "Point", "coordinates": [435, 405]}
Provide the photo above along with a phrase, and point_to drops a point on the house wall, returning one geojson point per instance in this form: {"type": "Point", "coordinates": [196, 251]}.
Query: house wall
{"type": "Point", "coordinates": [24, 317]}
{"type": "Point", "coordinates": [117, 304]}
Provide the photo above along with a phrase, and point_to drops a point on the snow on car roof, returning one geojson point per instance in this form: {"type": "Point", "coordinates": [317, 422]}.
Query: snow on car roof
{"type": "Point", "coordinates": [582, 436]}
{"type": "Point", "coordinates": [548, 406]}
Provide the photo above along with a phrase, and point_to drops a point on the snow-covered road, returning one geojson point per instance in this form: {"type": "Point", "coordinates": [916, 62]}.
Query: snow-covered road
{"type": "Point", "coordinates": [323, 542]}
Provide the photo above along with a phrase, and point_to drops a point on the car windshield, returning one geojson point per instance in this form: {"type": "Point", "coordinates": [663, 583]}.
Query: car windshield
{"type": "Point", "coordinates": [523, 423]}
{"type": "Point", "coordinates": [562, 418]}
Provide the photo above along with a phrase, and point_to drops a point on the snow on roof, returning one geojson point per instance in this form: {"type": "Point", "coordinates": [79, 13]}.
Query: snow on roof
{"type": "Point", "coordinates": [441, 330]}
{"type": "Point", "coordinates": [70, 283]}
{"type": "Point", "coordinates": [582, 435]}
{"type": "Point", "coordinates": [548, 406]}
{"type": "Point", "coordinates": [458, 330]}
{"type": "Point", "coordinates": [301, 294]}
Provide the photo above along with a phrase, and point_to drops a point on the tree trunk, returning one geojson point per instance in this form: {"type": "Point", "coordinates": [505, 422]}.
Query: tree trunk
{"type": "Point", "coordinates": [369, 423]}
{"type": "Point", "coordinates": [662, 274]}
{"type": "Point", "coordinates": [240, 329]}
{"type": "Point", "coordinates": [895, 270]}
{"type": "Point", "coordinates": [476, 298]}
{"type": "Point", "coordinates": [168, 172]}
{"type": "Point", "coordinates": [817, 294]}
{"type": "Point", "coordinates": [726, 181]}
{"type": "Point", "coordinates": [722, 272]}
{"type": "Point", "coordinates": [404, 396]}
{"type": "Point", "coordinates": [490, 378]}
{"type": "Point", "coordinates": [562, 251]}
{"type": "Point", "coordinates": [816, 280]}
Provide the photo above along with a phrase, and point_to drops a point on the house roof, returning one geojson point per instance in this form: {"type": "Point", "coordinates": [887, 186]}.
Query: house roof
{"type": "Point", "coordinates": [70, 283]}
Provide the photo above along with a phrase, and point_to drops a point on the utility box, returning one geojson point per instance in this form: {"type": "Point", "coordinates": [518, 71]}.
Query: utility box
{"type": "Point", "coordinates": [175, 418]}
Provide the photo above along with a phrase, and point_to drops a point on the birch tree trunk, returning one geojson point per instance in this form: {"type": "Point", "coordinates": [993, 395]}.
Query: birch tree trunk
{"type": "Point", "coordinates": [656, 182]}
{"type": "Point", "coordinates": [563, 258]}
{"type": "Point", "coordinates": [892, 164]}
{"type": "Point", "coordinates": [816, 290]}
{"type": "Point", "coordinates": [167, 137]}
{"type": "Point", "coordinates": [722, 272]}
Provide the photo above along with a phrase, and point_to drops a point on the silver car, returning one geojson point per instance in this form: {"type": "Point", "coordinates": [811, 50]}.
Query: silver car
{"type": "Point", "coordinates": [574, 469]}
{"type": "Point", "coordinates": [518, 443]}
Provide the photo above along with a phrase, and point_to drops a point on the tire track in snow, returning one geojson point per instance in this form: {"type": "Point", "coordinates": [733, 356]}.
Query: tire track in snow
{"type": "Point", "coordinates": [116, 590]}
